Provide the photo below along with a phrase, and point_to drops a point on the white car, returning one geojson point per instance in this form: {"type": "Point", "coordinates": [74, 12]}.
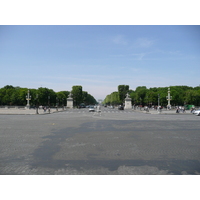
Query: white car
{"type": "Point", "coordinates": [197, 112]}
{"type": "Point", "coordinates": [91, 109]}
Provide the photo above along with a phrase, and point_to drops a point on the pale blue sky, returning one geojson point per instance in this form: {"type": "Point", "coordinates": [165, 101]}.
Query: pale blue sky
{"type": "Point", "coordinates": [99, 57]}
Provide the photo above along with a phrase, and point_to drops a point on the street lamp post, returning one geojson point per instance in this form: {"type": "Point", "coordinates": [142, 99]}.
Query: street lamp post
{"type": "Point", "coordinates": [28, 98]}
{"type": "Point", "coordinates": [36, 99]}
{"type": "Point", "coordinates": [159, 108]}
{"type": "Point", "coordinates": [57, 103]}
{"type": "Point", "coordinates": [62, 103]}
{"type": "Point", "coordinates": [140, 103]}
{"type": "Point", "coordinates": [158, 100]}
{"type": "Point", "coordinates": [169, 98]}
{"type": "Point", "coordinates": [49, 103]}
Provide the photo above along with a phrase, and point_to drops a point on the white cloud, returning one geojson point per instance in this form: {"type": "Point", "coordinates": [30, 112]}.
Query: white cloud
{"type": "Point", "coordinates": [144, 42]}
{"type": "Point", "coordinates": [119, 39]}
{"type": "Point", "coordinates": [138, 56]}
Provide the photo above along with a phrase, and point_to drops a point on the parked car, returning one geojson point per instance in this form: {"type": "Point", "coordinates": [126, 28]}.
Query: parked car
{"type": "Point", "coordinates": [121, 107]}
{"type": "Point", "coordinates": [82, 105]}
{"type": "Point", "coordinates": [91, 109]}
{"type": "Point", "coordinates": [197, 112]}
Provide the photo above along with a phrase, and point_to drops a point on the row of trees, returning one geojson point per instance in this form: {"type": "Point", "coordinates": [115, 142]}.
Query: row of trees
{"type": "Point", "coordinates": [10, 95]}
{"type": "Point", "coordinates": [116, 98]}
{"type": "Point", "coordinates": [181, 95]}
{"type": "Point", "coordinates": [80, 96]}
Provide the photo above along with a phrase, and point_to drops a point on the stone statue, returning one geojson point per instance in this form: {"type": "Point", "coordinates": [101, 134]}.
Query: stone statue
{"type": "Point", "coordinates": [128, 103]}
{"type": "Point", "coordinates": [70, 101]}
{"type": "Point", "coordinates": [70, 95]}
{"type": "Point", "coordinates": [127, 95]}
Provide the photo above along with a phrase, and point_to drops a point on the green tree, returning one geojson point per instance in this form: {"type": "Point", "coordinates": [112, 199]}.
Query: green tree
{"type": "Point", "coordinates": [162, 91]}
{"type": "Point", "coordinates": [140, 94]}
{"type": "Point", "coordinates": [177, 94]}
{"type": "Point", "coordinates": [18, 96]}
{"type": "Point", "coordinates": [90, 100]}
{"type": "Point", "coordinates": [77, 94]}
{"type": "Point", "coordinates": [44, 94]}
{"type": "Point", "coordinates": [107, 100]}
{"type": "Point", "coordinates": [62, 97]}
{"type": "Point", "coordinates": [85, 97]}
{"type": "Point", "coordinates": [114, 98]}
{"type": "Point", "coordinates": [33, 93]}
{"type": "Point", "coordinates": [133, 97]}
{"type": "Point", "coordinates": [122, 91]}
{"type": "Point", "coordinates": [6, 94]}
{"type": "Point", "coordinates": [192, 97]}
{"type": "Point", "coordinates": [152, 97]}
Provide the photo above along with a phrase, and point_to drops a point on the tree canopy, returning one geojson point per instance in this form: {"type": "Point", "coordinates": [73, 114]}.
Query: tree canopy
{"type": "Point", "coordinates": [122, 91]}
{"type": "Point", "coordinates": [77, 94]}
{"type": "Point", "coordinates": [181, 95]}
{"type": "Point", "coordinates": [10, 95]}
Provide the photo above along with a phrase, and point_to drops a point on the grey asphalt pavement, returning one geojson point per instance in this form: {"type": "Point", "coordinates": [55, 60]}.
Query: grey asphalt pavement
{"type": "Point", "coordinates": [117, 142]}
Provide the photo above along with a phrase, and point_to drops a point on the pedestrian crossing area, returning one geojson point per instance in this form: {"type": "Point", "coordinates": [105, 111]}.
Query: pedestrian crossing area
{"type": "Point", "coordinates": [107, 111]}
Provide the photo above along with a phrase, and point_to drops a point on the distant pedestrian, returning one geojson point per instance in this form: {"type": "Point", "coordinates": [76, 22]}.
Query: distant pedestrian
{"type": "Point", "coordinates": [45, 108]}
{"type": "Point", "coordinates": [159, 109]}
{"type": "Point", "coordinates": [192, 109]}
{"type": "Point", "coordinates": [98, 110]}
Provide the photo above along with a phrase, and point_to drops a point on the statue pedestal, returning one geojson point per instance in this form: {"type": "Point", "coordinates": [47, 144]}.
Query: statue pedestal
{"type": "Point", "coordinates": [69, 102]}
{"type": "Point", "coordinates": [27, 107]}
{"type": "Point", "coordinates": [128, 103]}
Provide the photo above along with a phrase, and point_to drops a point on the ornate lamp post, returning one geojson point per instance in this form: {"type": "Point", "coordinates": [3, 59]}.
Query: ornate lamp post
{"type": "Point", "coordinates": [147, 101]}
{"type": "Point", "coordinates": [63, 103]}
{"type": "Point", "coordinates": [28, 98]}
{"type": "Point", "coordinates": [49, 103]}
{"type": "Point", "coordinates": [159, 108]}
{"type": "Point", "coordinates": [57, 103]}
{"type": "Point", "coordinates": [158, 100]}
{"type": "Point", "coordinates": [36, 100]}
{"type": "Point", "coordinates": [169, 98]}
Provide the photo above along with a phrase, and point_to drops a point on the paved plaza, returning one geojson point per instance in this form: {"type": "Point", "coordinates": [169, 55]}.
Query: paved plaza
{"type": "Point", "coordinates": [116, 142]}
